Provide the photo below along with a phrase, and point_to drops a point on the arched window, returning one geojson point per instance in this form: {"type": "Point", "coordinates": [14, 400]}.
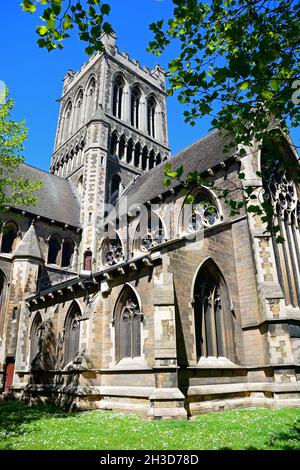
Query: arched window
{"type": "Point", "coordinates": [117, 101]}
{"type": "Point", "coordinates": [9, 237]}
{"type": "Point", "coordinates": [127, 324]}
{"type": "Point", "coordinates": [201, 213]}
{"type": "Point", "coordinates": [112, 252]}
{"type": "Point", "coordinates": [72, 333]}
{"type": "Point", "coordinates": [129, 151]}
{"type": "Point", "coordinates": [137, 155]}
{"type": "Point", "coordinates": [67, 126]}
{"type": "Point", "coordinates": [135, 106]}
{"type": "Point", "coordinates": [214, 320]}
{"type": "Point", "coordinates": [158, 159]}
{"type": "Point", "coordinates": [113, 143]}
{"type": "Point", "coordinates": [281, 191]}
{"type": "Point", "coordinates": [151, 159]}
{"type": "Point", "coordinates": [151, 116]}
{"type": "Point", "coordinates": [35, 336]}
{"type": "Point", "coordinates": [144, 158]}
{"type": "Point", "coordinates": [90, 102]}
{"type": "Point", "coordinates": [149, 232]}
{"type": "Point", "coordinates": [67, 253]}
{"type": "Point", "coordinates": [122, 146]}
{"type": "Point", "coordinates": [54, 249]}
{"type": "Point", "coordinates": [78, 109]}
{"type": "Point", "coordinates": [115, 188]}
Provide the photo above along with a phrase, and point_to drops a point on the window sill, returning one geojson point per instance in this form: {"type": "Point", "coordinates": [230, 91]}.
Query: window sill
{"type": "Point", "coordinates": [128, 363]}
{"type": "Point", "coordinates": [211, 362]}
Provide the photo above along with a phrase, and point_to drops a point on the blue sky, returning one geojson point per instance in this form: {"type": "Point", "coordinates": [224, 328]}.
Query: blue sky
{"type": "Point", "coordinates": [34, 76]}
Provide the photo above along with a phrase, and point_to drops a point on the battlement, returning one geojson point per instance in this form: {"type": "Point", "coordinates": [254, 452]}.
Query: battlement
{"type": "Point", "coordinates": [156, 75]}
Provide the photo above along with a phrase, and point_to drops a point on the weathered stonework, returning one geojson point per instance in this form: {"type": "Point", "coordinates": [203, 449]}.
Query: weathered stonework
{"type": "Point", "coordinates": [165, 320]}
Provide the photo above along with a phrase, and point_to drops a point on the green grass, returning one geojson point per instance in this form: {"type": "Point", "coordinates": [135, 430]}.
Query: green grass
{"type": "Point", "coordinates": [42, 427]}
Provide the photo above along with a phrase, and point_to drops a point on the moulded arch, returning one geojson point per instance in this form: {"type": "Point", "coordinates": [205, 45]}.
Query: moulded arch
{"type": "Point", "coordinates": [72, 332]}
{"type": "Point", "coordinates": [34, 336]}
{"type": "Point", "coordinates": [134, 290]}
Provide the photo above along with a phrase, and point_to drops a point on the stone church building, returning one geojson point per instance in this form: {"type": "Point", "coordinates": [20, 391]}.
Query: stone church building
{"type": "Point", "coordinates": [116, 294]}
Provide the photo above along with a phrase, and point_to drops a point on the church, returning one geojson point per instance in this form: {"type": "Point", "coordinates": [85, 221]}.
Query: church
{"type": "Point", "coordinates": [117, 294]}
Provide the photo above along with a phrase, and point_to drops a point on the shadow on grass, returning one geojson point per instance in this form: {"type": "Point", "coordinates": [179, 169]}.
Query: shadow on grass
{"type": "Point", "coordinates": [14, 415]}
{"type": "Point", "coordinates": [288, 440]}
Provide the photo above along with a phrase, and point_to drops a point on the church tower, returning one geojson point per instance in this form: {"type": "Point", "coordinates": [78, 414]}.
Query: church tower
{"type": "Point", "coordinates": [112, 128]}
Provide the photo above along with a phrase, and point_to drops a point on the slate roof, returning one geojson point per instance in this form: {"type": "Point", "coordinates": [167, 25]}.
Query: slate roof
{"type": "Point", "coordinates": [56, 199]}
{"type": "Point", "coordinates": [29, 246]}
{"type": "Point", "coordinates": [203, 154]}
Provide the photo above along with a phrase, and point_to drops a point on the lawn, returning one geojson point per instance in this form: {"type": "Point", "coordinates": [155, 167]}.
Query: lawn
{"type": "Point", "coordinates": [42, 427]}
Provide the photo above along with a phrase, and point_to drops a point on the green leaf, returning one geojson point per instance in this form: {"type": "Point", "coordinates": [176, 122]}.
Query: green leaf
{"type": "Point", "coordinates": [166, 182]}
{"type": "Point", "coordinates": [28, 6]}
{"type": "Point", "coordinates": [275, 84]}
{"type": "Point", "coordinates": [42, 30]}
{"type": "Point", "coordinates": [167, 168]}
{"type": "Point", "coordinates": [105, 9]}
{"type": "Point", "coordinates": [190, 199]}
{"type": "Point", "coordinates": [243, 85]}
{"type": "Point", "coordinates": [267, 94]}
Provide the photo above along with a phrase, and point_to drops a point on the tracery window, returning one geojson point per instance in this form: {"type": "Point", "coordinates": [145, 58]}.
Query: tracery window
{"type": "Point", "coordinates": [67, 125]}
{"type": "Point", "coordinates": [201, 213]}
{"type": "Point", "coordinates": [118, 89]}
{"type": "Point", "coordinates": [281, 191]}
{"type": "Point", "coordinates": [91, 90]}
{"type": "Point", "coordinates": [112, 251]}
{"type": "Point", "coordinates": [72, 333]}
{"type": "Point", "coordinates": [127, 323]}
{"type": "Point", "coordinates": [214, 321]}
{"type": "Point", "coordinates": [149, 232]}
{"type": "Point", "coordinates": [78, 109]}
{"type": "Point", "coordinates": [151, 116]}
{"type": "Point", "coordinates": [135, 106]}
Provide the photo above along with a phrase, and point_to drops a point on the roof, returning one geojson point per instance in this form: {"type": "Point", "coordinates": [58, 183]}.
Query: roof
{"type": "Point", "coordinates": [29, 246]}
{"type": "Point", "coordinates": [202, 155]}
{"type": "Point", "coordinates": [56, 200]}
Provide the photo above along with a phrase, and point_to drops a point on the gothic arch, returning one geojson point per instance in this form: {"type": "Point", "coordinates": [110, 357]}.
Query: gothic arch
{"type": "Point", "coordinates": [203, 213]}
{"type": "Point", "coordinates": [67, 120]}
{"type": "Point", "coordinates": [34, 336]}
{"type": "Point", "coordinates": [72, 332]}
{"type": "Point", "coordinates": [68, 249]}
{"type": "Point", "coordinates": [112, 249]}
{"type": "Point", "coordinates": [280, 189]}
{"type": "Point", "coordinates": [9, 237]}
{"type": "Point", "coordinates": [135, 105]}
{"type": "Point", "coordinates": [214, 321]}
{"type": "Point", "coordinates": [79, 107]}
{"type": "Point", "coordinates": [151, 104]}
{"type": "Point", "coordinates": [54, 249]}
{"type": "Point", "coordinates": [150, 231]}
{"type": "Point", "coordinates": [127, 323]}
{"type": "Point", "coordinates": [90, 96]}
{"type": "Point", "coordinates": [117, 96]}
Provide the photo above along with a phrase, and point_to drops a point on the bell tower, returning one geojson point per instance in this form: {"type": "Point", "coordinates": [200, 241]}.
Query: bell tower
{"type": "Point", "coordinates": [112, 128]}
